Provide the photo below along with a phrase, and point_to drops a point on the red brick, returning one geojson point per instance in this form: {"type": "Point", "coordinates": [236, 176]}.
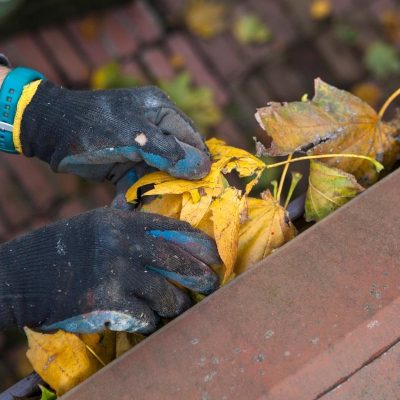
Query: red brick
{"type": "Point", "coordinates": [180, 44]}
{"type": "Point", "coordinates": [117, 36]}
{"type": "Point", "coordinates": [144, 21]}
{"type": "Point", "coordinates": [158, 64]}
{"type": "Point", "coordinates": [131, 67]}
{"type": "Point", "coordinates": [343, 7]}
{"type": "Point", "coordinates": [14, 205]}
{"type": "Point", "coordinates": [257, 89]}
{"type": "Point", "coordinates": [172, 9]}
{"type": "Point", "coordinates": [284, 81]}
{"type": "Point", "coordinates": [299, 10]}
{"type": "Point", "coordinates": [93, 47]}
{"type": "Point", "coordinates": [72, 208]}
{"type": "Point", "coordinates": [222, 53]}
{"type": "Point", "coordinates": [377, 8]}
{"type": "Point", "coordinates": [273, 14]}
{"type": "Point", "coordinates": [67, 57]}
{"type": "Point", "coordinates": [22, 50]}
{"type": "Point", "coordinates": [340, 58]}
{"type": "Point", "coordinates": [32, 176]}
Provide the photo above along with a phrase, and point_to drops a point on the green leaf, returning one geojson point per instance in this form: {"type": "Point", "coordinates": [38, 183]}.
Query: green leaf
{"type": "Point", "coordinates": [329, 188]}
{"type": "Point", "coordinates": [197, 102]}
{"type": "Point", "coordinates": [382, 60]}
{"type": "Point", "coordinates": [110, 76]}
{"type": "Point", "coordinates": [250, 29]}
{"type": "Point", "coordinates": [47, 394]}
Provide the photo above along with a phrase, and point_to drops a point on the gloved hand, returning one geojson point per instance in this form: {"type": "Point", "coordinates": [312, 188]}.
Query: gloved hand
{"type": "Point", "coordinates": [106, 267]}
{"type": "Point", "coordinates": [100, 134]}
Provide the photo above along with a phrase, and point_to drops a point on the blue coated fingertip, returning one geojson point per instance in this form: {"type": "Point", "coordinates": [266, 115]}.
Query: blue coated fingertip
{"type": "Point", "coordinates": [155, 161]}
{"type": "Point", "coordinates": [200, 247]}
{"type": "Point", "coordinates": [205, 283]}
{"type": "Point", "coordinates": [97, 321]}
{"type": "Point", "coordinates": [195, 165]}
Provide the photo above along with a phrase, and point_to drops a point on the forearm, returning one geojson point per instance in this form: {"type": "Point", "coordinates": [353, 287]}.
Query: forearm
{"type": "Point", "coordinates": [3, 73]}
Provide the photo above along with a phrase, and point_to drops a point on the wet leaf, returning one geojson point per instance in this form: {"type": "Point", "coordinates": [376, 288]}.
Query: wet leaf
{"type": "Point", "coordinates": [226, 159]}
{"type": "Point", "coordinates": [193, 212]}
{"type": "Point", "coordinates": [169, 205]}
{"type": "Point", "coordinates": [346, 33]}
{"type": "Point", "coordinates": [198, 102]}
{"type": "Point", "coordinates": [390, 20]}
{"type": "Point", "coordinates": [234, 159]}
{"type": "Point", "coordinates": [320, 9]}
{"type": "Point", "coordinates": [61, 359]}
{"type": "Point", "coordinates": [329, 188]}
{"type": "Point", "coordinates": [334, 121]}
{"type": "Point", "coordinates": [125, 341]}
{"type": "Point", "coordinates": [206, 18]}
{"type": "Point", "coordinates": [382, 60]}
{"type": "Point", "coordinates": [250, 29]}
{"type": "Point", "coordinates": [226, 211]}
{"type": "Point", "coordinates": [110, 76]}
{"type": "Point", "coordinates": [370, 92]}
{"type": "Point", "coordinates": [267, 228]}
{"type": "Point", "coordinates": [47, 394]}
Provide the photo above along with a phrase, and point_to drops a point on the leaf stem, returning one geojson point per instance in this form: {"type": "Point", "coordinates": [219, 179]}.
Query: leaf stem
{"type": "Point", "coordinates": [388, 102]}
{"type": "Point", "coordinates": [95, 355]}
{"type": "Point", "coordinates": [379, 167]}
{"type": "Point", "coordinates": [296, 177]}
{"type": "Point", "coordinates": [283, 177]}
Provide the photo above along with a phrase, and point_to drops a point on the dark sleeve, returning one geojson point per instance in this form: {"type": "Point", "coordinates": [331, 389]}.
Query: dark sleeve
{"type": "Point", "coordinates": [4, 60]}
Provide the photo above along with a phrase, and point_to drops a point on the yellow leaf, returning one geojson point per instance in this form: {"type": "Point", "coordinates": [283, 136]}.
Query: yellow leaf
{"type": "Point", "coordinates": [320, 9]}
{"type": "Point", "coordinates": [370, 92]}
{"type": "Point", "coordinates": [194, 212]}
{"type": "Point", "coordinates": [329, 188]}
{"type": "Point", "coordinates": [125, 341]}
{"type": "Point", "coordinates": [233, 158]}
{"type": "Point", "coordinates": [168, 205]}
{"type": "Point", "coordinates": [206, 18]}
{"type": "Point", "coordinates": [335, 121]}
{"type": "Point", "coordinates": [226, 211]}
{"type": "Point", "coordinates": [267, 228]}
{"type": "Point", "coordinates": [61, 359]}
{"type": "Point", "coordinates": [102, 344]}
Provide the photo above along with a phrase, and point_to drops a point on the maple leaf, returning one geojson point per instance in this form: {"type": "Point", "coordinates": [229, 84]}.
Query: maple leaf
{"type": "Point", "coordinates": [226, 211]}
{"type": "Point", "coordinates": [61, 359]}
{"type": "Point", "coordinates": [111, 76]}
{"type": "Point", "coordinates": [206, 18]}
{"type": "Point", "coordinates": [329, 188]}
{"type": "Point", "coordinates": [382, 60]}
{"type": "Point", "coordinates": [268, 227]}
{"type": "Point", "coordinates": [46, 394]}
{"type": "Point", "coordinates": [169, 205]}
{"type": "Point", "coordinates": [334, 121]}
{"type": "Point", "coordinates": [209, 204]}
{"type": "Point", "coordinates": [198, 102]}
{"type": "Point", "coordinates": [320, 9]}
{"type": "Point", "coordinates": [226, 159]}
{"type": "Point", "coordinates": [250, 29]}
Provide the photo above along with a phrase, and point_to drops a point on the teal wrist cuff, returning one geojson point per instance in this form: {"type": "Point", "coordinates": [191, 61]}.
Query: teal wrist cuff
{"type": "Point", "coordinates": [10, 93]}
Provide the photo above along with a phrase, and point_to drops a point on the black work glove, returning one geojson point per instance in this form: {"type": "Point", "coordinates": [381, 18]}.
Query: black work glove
{"type": "Point", "coordinates": [106, 267]}
{"type": "Point", "coordinates": [101, 134]}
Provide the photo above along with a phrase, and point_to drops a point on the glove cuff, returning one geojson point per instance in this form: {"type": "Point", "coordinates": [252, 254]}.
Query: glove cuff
{"type": "Point", "coordinates": [26, 97]}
